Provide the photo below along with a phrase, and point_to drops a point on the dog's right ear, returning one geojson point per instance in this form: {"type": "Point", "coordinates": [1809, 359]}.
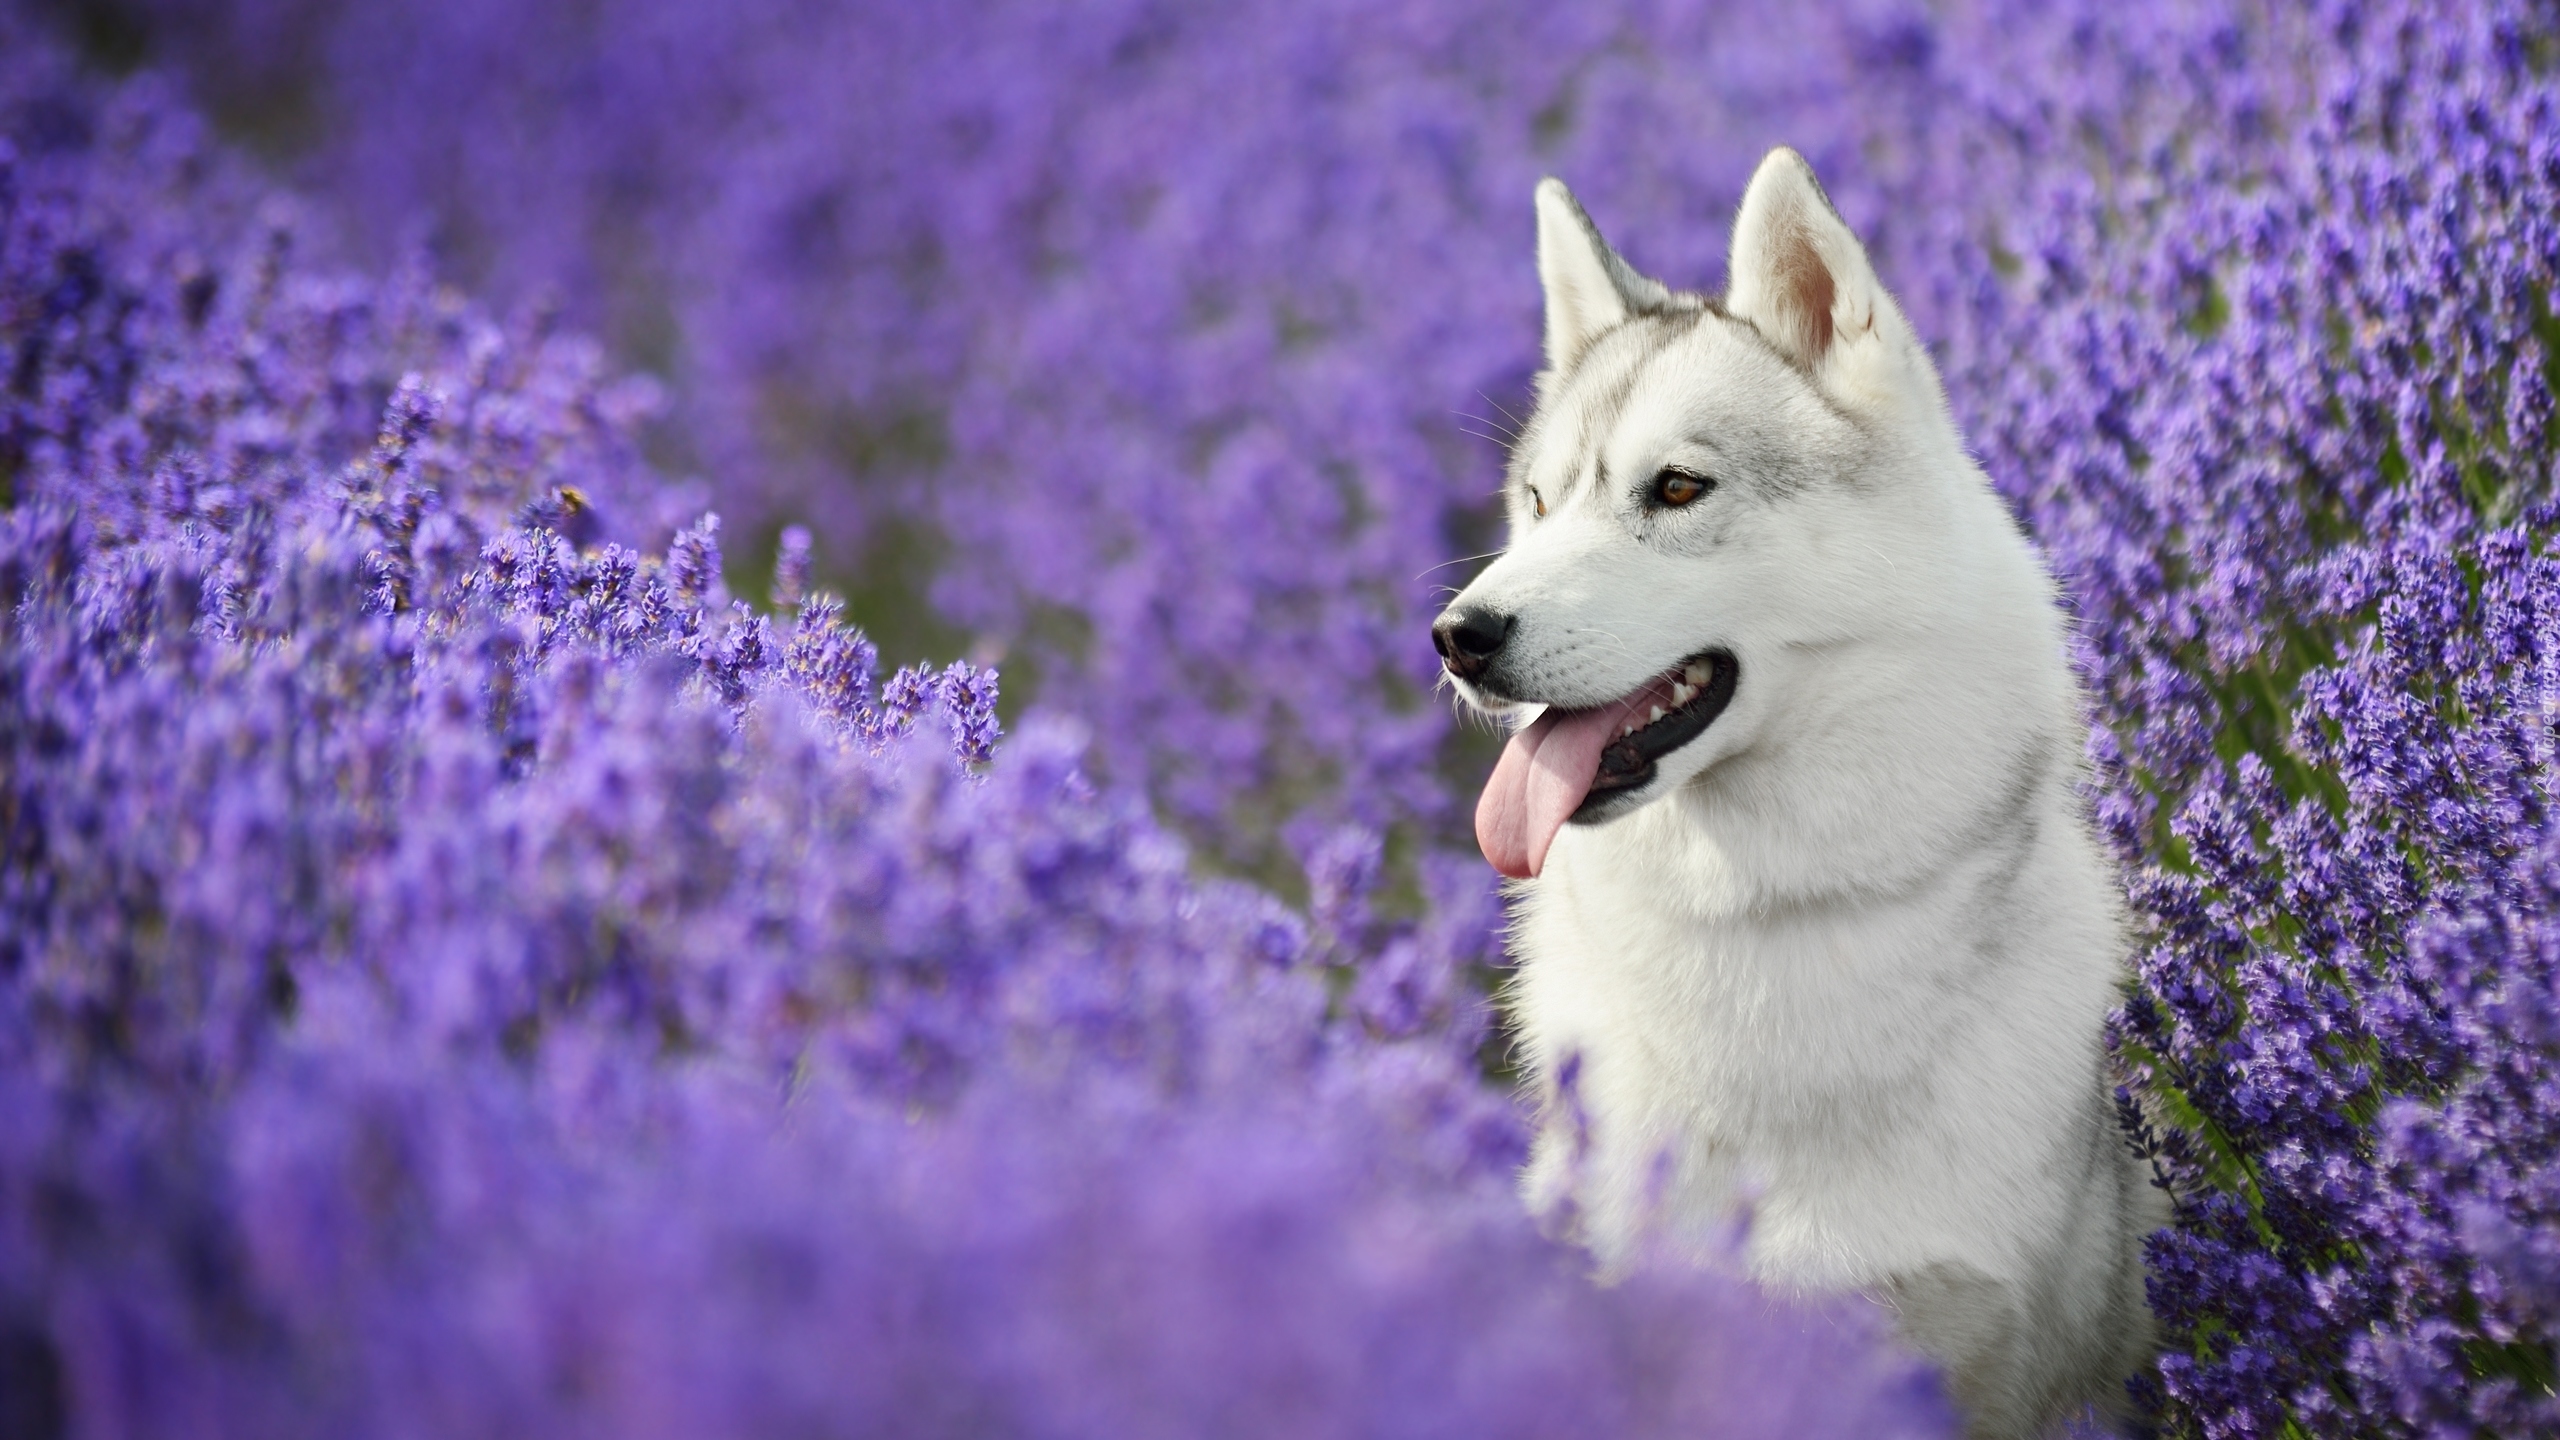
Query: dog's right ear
{"type": "Point", "coordinates": [1589, 289]}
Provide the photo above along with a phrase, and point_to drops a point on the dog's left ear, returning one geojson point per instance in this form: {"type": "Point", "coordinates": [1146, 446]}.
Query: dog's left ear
{"type": "Point", "coordinates": [1589, 289]}
{"type": "Point", "coordinates": [1797, 272]}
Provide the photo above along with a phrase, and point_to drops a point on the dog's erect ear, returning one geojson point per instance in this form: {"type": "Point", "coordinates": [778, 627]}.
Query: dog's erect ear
{"type": "Point", "coordinates": [1588, 287]}
{"type": "Point", "coordinates": [1798, 273]}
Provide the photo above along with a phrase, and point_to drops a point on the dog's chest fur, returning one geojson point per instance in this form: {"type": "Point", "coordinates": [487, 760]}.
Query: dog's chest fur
{"type": "Point", "coordinates": [1862, 1059]}
{"type": "Point", "coordinates": [1903, 1082]}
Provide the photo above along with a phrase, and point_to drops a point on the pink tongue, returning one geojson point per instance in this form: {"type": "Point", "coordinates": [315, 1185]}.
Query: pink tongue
{"type": "Point", "coordinates": [1541, 780]}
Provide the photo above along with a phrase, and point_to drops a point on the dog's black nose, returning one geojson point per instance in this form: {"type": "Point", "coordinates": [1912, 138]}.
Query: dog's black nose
{"type": "Point", "coordinates": [1468, 638]}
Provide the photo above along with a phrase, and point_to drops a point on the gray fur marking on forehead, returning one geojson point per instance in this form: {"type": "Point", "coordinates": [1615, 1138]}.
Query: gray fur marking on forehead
{"type": "Point", "coordinates": [1595, 392]}
{"type": "Point", "coordinates": [1605, 378]}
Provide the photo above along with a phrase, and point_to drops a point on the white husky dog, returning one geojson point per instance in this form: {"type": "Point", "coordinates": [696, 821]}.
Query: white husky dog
{"type": "Point", "coordinates": [1808, 911]}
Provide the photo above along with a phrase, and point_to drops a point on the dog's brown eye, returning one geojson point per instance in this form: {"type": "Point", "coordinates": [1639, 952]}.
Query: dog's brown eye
{"type": "Point", "coordinates": [1676, 488]}
{"type": "Point", "coordinates": [1538, 501]}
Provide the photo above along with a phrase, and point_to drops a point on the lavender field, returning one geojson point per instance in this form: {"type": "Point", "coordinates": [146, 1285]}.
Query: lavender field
{"type": "Point", "coordinates": [717, 719]}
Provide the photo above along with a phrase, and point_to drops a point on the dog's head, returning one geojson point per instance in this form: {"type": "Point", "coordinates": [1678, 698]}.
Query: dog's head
{"type": "Point", "coordinates": [1710, 493]}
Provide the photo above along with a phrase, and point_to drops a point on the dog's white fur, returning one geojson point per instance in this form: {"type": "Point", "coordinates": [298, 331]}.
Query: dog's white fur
{"type": "Point", "coordinates": [1851, 957]}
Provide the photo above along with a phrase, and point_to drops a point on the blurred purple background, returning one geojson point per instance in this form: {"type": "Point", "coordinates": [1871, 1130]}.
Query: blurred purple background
{"type": "Point", "coordinates": [476, 948]}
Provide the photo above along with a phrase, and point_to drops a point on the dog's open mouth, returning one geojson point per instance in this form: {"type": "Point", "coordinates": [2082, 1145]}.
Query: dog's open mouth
{"type": "Point", "coordinates": [1582, 765]}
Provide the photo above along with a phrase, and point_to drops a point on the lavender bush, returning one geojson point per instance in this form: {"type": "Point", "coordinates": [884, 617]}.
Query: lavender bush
{"type": "Point", "coordinates": [461, 972]}
{"type": "Point", "coordinates": [1132, 344]}
{"type": "Point", "coordinates": [2290, 440]}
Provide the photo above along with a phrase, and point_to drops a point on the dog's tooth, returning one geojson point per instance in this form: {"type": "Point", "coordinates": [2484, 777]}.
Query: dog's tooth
{"type": "Point", "coordinates": [1656, 715]}
{"type": "Point", "coordinates": [1695, 674]}
{"type": "Point", "coordinates": [1680, 694]}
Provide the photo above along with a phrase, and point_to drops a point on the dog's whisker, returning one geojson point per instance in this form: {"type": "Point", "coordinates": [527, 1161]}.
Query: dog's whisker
{"type": "Point", "coordinates": [1516, 422]}
{"type": "Point", "coordinates": [1461, 560]}
{"type": "Point", "coordinates": [1502, 432]}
